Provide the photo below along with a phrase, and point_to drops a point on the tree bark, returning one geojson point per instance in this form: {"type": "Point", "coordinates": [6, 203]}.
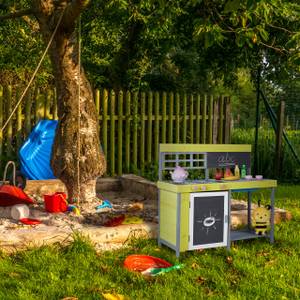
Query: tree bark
{"type": "Point", "coordinates": [64, 58]}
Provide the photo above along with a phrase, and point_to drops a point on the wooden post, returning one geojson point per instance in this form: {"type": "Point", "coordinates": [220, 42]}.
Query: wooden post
{"type": "Point", "coordinates": [215, 121]}
{"type": "Point", "coordinates": [127, 131]}
{"type": "Point", "coordinates": [135, 130]}
{"type": "Point", "coordinates": [184, 112]}
{"type": "Point", "coordinates": [191, 125]}
{"type": "Point", "coordinates": [97, 102]}
{"type": "Point", "coordinates": [171, 105]}
{"type": "Point", "coordinates": [156, 126]}
{"type": "Point", "coordinates": [279, 134]}
{"type": "Point", "coordinates": [227, 120]}
{"type": "Point", "coordinates": [48, 115]}
{"type": "Point", "coordinates": [198, 118]}
{"type": "Point", "coordinates": [120, 133]}
{"type": "Point", "coordinates": [142, 148]}
{"type": "Point", "coordinates": [19, 122]}
{"type": "Point", "coordinates": [204, 114]}
{"type": "Point", "coordinates": [164, 117]}
{"type": "Point", "coordinates": [177, 119]}
{"type": "Point", "coordinates": [104, 125]}
{"type": "Point", "coordinates": [149, 133]}
{"type": "Point", "coordinates": [28, 103]}
{"type": "Point", "coordinates": [221, 119]}
{"type": "Point", "coordinates": [112, 133]}
{"type": "Point", "coordinates": [9, 129]}
{"type": "Point", "coordinates": [210, 119]}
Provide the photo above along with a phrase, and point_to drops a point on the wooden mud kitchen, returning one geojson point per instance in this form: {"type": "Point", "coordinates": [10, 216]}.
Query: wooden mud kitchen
{"type": "Point", "coordinates": [194, 212]}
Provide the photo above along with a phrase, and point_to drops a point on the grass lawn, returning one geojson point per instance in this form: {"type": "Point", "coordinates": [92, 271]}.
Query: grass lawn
{"type": "Point", "coordinates": [253, 269]}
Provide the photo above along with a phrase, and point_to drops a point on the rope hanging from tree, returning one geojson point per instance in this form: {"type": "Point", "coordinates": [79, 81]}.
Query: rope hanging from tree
{"type": "Point", "coordinates": [35, 72]}
{"type": "Point", "coordinates": [78, 112]}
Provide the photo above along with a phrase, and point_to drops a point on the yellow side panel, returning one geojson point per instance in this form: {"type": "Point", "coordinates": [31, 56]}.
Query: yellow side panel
{"type": "Point", "coordinates": [204, 148]}
{"type": "Point", "coordinates": [184, 217]}
{"type": "Point", "coordinates": [168, 213]}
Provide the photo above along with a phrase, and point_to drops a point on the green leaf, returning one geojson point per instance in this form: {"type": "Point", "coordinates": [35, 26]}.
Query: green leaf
{"type": "Point", "coordinates": [232, 5]}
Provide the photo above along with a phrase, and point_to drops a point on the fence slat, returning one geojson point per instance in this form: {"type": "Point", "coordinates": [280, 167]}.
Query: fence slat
{"type": "Point", "coordinates": [191, 118]}
{"type": "Point", "coordinates": [9, 129]}
{"type": "Point", "coordinates": [28, 103]}
{"type": "Point", "coordinates": [97, 101]}
{"type": "Point", "coordinates": [143, 116]}
{"type": "Point", "coordinates": [210, 119]}
{"type": "Point", "coordinates": [177, 118]}
{"type": "Point", "coordinates": [198, 118]}
{"type": "Point", "coordinates": [104, 125]}
{"type": "Point", "coordinates": [221, 119]}
{"type": "Point", "coordinates": [215, 121]}
{"type": "Point", "coordinates": [19, 121]}
{"type": "Point", "coordinates": [127, 131]}
{"type": "Point", "coordinates": [204, 117]}
{"type": "Point", "coordinates": [120, 132]}
{"type": "Point", "coordinates": [184, 112]}
{"type": "Point", "coordinates": [156, 126]}
{"type": "Point", "coordinates": [149, 135]}
{"type": "Point", "coordinates": [227, 121]}
{"type": "Point", "coordinates": [171, 105]}
{"type": "Point", "coordinates": [112, 101]}
{"type": "Point", "coordinates": [164, 118]}
{"type": "Point", "coordinates": [135, 130]}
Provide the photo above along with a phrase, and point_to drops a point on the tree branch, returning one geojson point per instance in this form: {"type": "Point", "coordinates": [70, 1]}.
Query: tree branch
{"type": "Point", "coordinates": [73, 11]}
{"type": "Point", "coordinates": [280, 50]}
{"type": "Point", "coordinates": [17, 14]}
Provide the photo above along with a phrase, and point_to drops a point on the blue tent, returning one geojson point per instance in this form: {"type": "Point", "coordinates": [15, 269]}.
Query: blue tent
{"type": "Point", "coordinates": [35, 154]}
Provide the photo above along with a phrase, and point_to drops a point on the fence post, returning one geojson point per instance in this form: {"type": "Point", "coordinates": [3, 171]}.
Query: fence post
{"type": "Point", "coordinates": [227, 120]}
{"type": "Point", "coordinates": [184, 112]}
{"type": "Point", "coordinates": [143, 116]}
{"type": "Point", "coordinates": [215, 121]}
{"type": "Point", "coordinates": [198, 118]}
{"type": "Point", "coordinates": [149, 133]}
{"type": "Point", "coordinates": [156, 126]}
{"type": "Point", "coordinates": [164, 118]}
{"type": "Point", "coordinates": [19, 121]}
{"type": "Point", "coordinates": [191, 125]}
{"type": "Point", "coordinates": [210, 119]}
{"type": "Point", "coordinates": [127, 131]}
{"type": "Point", "coordinates": [221, 119]}
{"type": "Point", "coordinates": [104, 125]}
{"type": "Point", "coordinates": [135, 130]}
{"type": "Point", "coordinates": [120, 132]}
{"type": "Point", "coordinates": [279, 133]}
{"type": "Point", "coordinates": [171, 109]}
{"type": "Point", "coordinates": [204, 114]}
{"type": "Point", "coordinates": [112, 132]}
{"type": "Point", "coordinates": [9, 129]}
{"type": "Point", "coordinates": [177, 119]}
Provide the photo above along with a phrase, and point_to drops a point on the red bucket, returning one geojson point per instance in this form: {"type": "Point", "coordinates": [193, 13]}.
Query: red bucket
{"type": "Point", "coordinates": [56, 202]}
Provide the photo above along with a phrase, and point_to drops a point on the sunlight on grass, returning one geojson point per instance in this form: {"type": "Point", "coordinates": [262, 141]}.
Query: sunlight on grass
{"type": "Point", "coordinates": [253, 269]}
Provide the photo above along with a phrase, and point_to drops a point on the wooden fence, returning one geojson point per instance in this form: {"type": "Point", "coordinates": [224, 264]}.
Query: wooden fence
{"type": "Point", "coordinates": [132, 124]}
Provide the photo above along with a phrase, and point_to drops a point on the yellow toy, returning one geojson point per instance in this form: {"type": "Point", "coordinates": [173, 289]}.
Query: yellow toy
{"type": "Point", "coordinates": [261, 219]}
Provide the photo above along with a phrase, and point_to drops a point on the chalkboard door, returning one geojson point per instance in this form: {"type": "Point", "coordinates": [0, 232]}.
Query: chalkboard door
{"type": "Point", "coordinates": [208, 220]}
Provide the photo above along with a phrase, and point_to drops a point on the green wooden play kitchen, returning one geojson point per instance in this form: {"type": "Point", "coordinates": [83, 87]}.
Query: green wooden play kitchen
{"type": "Point", "coordinates": [195, 213]}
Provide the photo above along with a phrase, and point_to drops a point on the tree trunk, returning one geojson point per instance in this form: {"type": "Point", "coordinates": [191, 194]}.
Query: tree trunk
{"type": "Point", "coordinates": [64, 58]}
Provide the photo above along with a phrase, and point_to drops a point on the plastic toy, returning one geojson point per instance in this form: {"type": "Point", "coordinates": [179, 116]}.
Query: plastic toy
{"type": "Point", "coordinates": [35, 154]}
{"type": "Point", "coordinates": [28, 221]}
{"type": "Point", "coordinates": [56, 202]}
{"type": "Point", "coordinates": [158, 271]}
{"type": "Point", "coordinates": [140, 263]}
{"type": "Point", "coordinates": [11, 194]}
{"type": "Point", "coordinates": [74, 209]}
{"type": "Point", "coordinates": [261, 219]}
{"type": "Point", "coordinates": [105, 204]}
{"type": "Point", "coordinates": [179, 174]}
